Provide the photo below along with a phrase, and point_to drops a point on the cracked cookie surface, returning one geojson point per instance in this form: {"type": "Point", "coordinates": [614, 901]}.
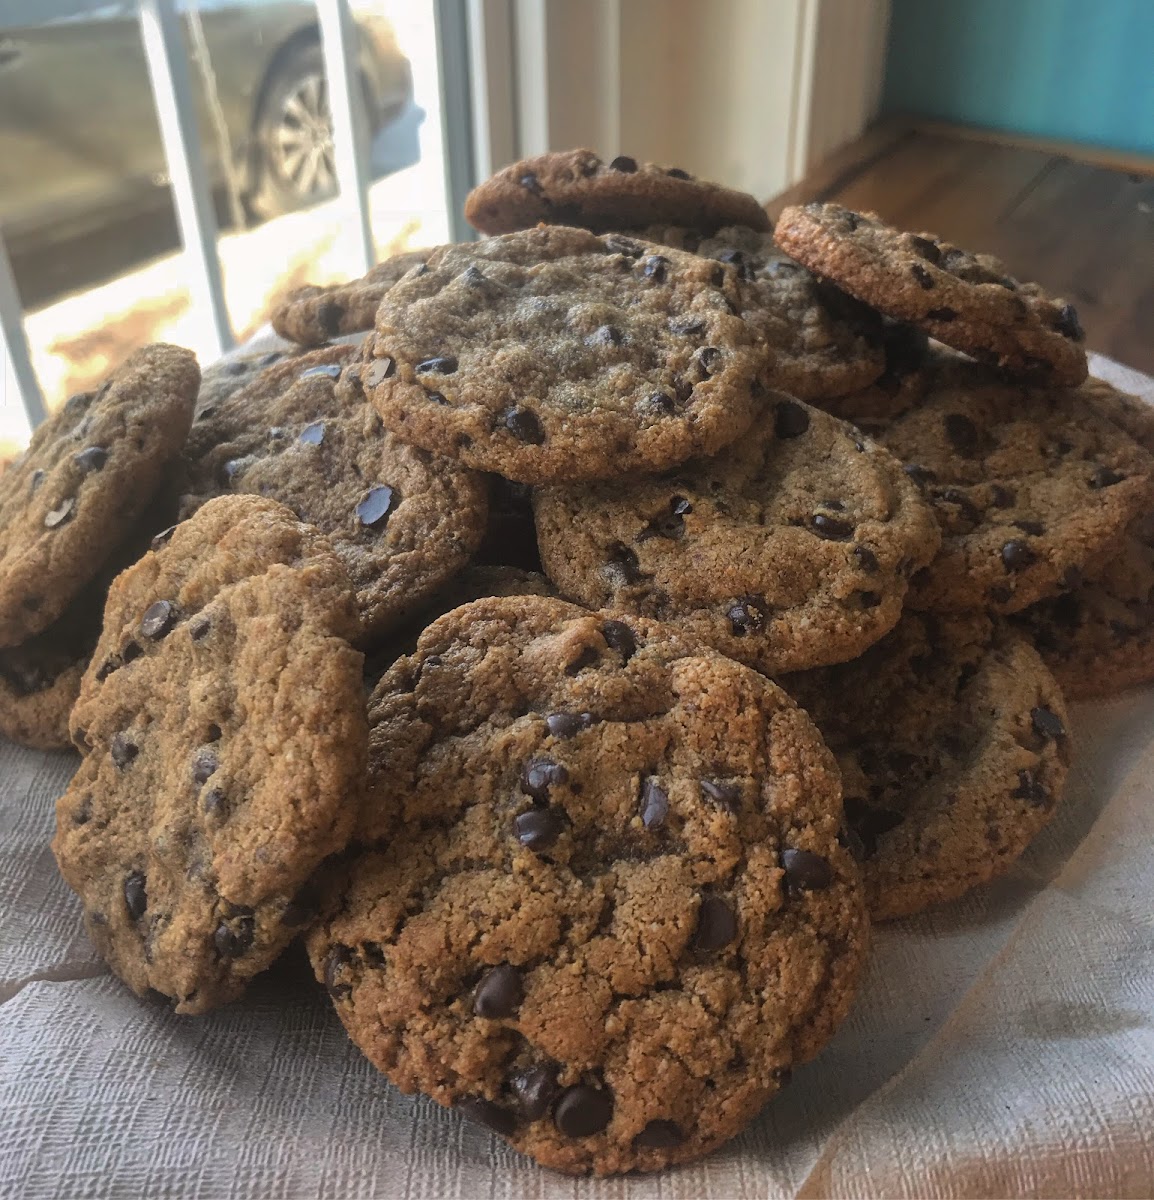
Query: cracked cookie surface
{"type": "Point", "coordinates": [603, 907]}
{"type": "Point", "coordinates": [793, 549]}
{"type": "Point", "coordinates": [312, 315]}
{"type": "Point", "coordinates": [969, 301]}
{"type": "Point", "coordinates": [951, 739]}
{"type": "Point", "coordinates": [223, 731]}
{"type": "Point", "coordinates": [824, 342]}
{"type": "Point", "coordinates": [402, 520]}
{"type": "Point", "coordinates": [556, 354]}
{"type": "Point", "coordinates": [575, 187]}
{"type": "Point", "coordinates": [88, 473]}
{"type": "Point", "coordinates": [1033, 488]}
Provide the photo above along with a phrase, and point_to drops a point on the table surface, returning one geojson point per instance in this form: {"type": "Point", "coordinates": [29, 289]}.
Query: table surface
{"type": "Point", "coordinates": [1001, 1046]}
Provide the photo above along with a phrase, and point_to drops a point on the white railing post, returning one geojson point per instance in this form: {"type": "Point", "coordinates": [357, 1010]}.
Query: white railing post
{"type": "Point", "coordinates": [172, 93]}
{"type": "Point", "coordinates": [15, 345]}
{"type": "Point", "coordinates": [351, 148]}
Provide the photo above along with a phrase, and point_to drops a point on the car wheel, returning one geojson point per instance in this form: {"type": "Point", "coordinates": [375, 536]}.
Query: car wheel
{"type": "Point", "coordinates": [293, 137]}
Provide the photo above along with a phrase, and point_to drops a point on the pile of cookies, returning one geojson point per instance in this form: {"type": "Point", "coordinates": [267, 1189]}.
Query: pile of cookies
{"type": "Point", "coordinates": [579, 658]}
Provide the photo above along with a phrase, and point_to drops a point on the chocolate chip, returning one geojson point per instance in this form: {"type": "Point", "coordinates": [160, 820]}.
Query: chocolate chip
{"type": "Point", "coordinates": [535, 1089]}
{"type": "Point", "coordinates": [375, 507]}
{"type": "Point", "coordinates": [1034, 528]}
{"type": "Point", "coordinates": [204, 765]}
{"type": "Point", "coordinates": [326, 370]}
{"type": "Point", "coordinates": [867, 560]}
{"type": "Point", "coordinates": [869, 822]}
{"type": "Point", "coordinates": [805, 871]}
{"type": "Point", "coordinates": [135, 895]}
{"type": "Point", "coordinates": [499, 993]}
{"type": "Point", "coordinates": [531, 183]}
{"type": "Point", "coordinates": [659, 1135]}
{"type": "Point", "coordinates": [923, 246]}
{"type": "Point", "coordinates": [329, 315]}
{"type": "Point", "coordinates": [540, 774]}
{"type": "Point", "coordinates": [198, 628]}
{"type": "Point", "coordinates": [583, 1110]}
{"type": "Point", "coordinates": [122, 750]}
{"type": "Point", "coordinates": [567, 725]}
{"type": "Point", "coordinates": [660, 402]}
{"type": "Point", "coordinates": [668, 525]}
{"type": "Point", "coordinates": [130, 653]}
{"type": "Point", "coordinates": [923, 277]}
{"type": "Point", "coordinates": [215, 802]}
{"type": "Point", "coordinates": [1002, 497]}
{"type": "Point", "coordinates": [869, 599]}
{"type": "Point", "coordinates": [624, 163]}
{"type": "Point", "coordinates": [162, 538]}
{"type": "Point", "coordinates": [106, 668]}
{"type": "Point", "coordinates": [604, 335]}
{"type": "Point", "coordinates": [1068, 325]}
{"type": "Point", "coordinates": [1017, 555]}
{"type": "Point", "coordinates": [539, 828]}
{"type": "Point", "coordinates": [158, 620]}
{"type": "Point", "coordinates": [37, 478]}
{"type": "Point", "coordinates": [678, 173]}
{"type": "Point", "coordinates": [724, 795]}
{"type": "Point", "coordinates": [338, 958]}
{"type": "Point", "coordinates": [962, 434]}
{"type": "Point", "coordinates": [618, 636]}
{"type": "Point", "coordinates": [965, 506]}
{"type": "Point", "coordinates": [707, 360]}
{"type": "Point", "coordinates": [524, 425]}
{"type": "Point", "coordinates": [57, 516]}
{"type": "Point", "coordinates": [617, 244]}
{"type": "Point", "coordinates": [919, 474]}
{"type": "Point", "coordinates": [687, 326]}
{"type": "Point", "coordinates": [1000, 593]}
{"type": "Point", "coordinates": [1047, 723]}
{"type": "Point", "coordinates": [313, 435]}
{"type": "Point", "coordinates": [441, 365]}
{"type": "Point", "coordinates": [746, 615]}
{"type": "Point", "coordinates": [234, 940]}
{"type": "Point", "coordinates": [91, 459]}
{"type": "Point", "coordinates": [378, 371]}
{"type": "Point", "coordinates": [716, 924]}
{"type": "Point", "coordinates": [654, 267]}
{"type": "Point", "coordinates": [1031, 788]}
{"type": "Point", "coordinates": [486, 1112]}
{"type": "Point", "coordinates": [1105, 477]}
{"type": "Point", "coordinates": [790, 420]}
{"type": "Point", "coordinates": [654, 804]}
{"type": "Point", "coordinates": [831, 528]}
{"type": "Point", "coordinates": [942, 314]}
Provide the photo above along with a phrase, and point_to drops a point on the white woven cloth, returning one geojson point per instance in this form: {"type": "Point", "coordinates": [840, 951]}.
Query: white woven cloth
{"type": "Point", "coordinates": [1001, 1047]}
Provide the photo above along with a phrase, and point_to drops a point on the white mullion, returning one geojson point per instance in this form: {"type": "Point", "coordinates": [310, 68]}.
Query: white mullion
{"type": "Point", "coordinates": [172, 93]}
{"type": "Point", "coordinates": [494, 105]}
{"type": "Point", "coordinates": [15, 345]}
{"type": "Point", "coordinates": [350, 125]}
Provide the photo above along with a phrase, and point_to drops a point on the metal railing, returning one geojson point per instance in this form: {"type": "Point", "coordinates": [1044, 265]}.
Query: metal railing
{"type": "Point", "coordinates": [165, 53]}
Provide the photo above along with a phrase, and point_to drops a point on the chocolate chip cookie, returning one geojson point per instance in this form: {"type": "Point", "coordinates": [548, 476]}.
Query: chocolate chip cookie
{"type": "Point", "coordinates": [88, 473]}
{"type": "Point", "coordinates": [555, 354]}
{"type": "Point", "coordinates": [574, 187]}
{"type": "Point", "coordinates": [1131, 413]}
{"type": "Point", "coordinates": [311, 316]}
{"type": "Point", "coordinates": [402, 520]}
{"type": "Point", "coordinates": [604, 908]}
{"type": "Point", "coordinates": [223, 730]}
{"type": "Point", "coordinates": [824, 342]}
{"type": "Point", "coordinates": [1098, 637]}
{"type": "Point", "coordinates": [951, 738]}
{"type": "Point", "coordinates": [969, 301]}
{"type": "Point", "coordinates": [791, 550]}
{"type": "Point", "coordinates": [1031, 487]}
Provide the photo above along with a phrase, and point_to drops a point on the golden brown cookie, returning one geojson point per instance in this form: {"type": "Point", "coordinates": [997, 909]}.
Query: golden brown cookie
{"type": "Point", "coordinates": [969, 301]}
{"type": "Point", "coordinates": [574, 187]}
{"type": "Point", "coordinates": [604, 907]}
{"type": "Point", "coordinates": [554, 354]}
{"type": "Point", "coordinates": [223, 731]}
{"type": "Point", "coordinates": [951, 738]}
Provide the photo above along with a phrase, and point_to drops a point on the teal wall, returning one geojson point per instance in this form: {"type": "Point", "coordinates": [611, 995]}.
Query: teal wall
{"type": "Point", "coordinates": [1076, 70]}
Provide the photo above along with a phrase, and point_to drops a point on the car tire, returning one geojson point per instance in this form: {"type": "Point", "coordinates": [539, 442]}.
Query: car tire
{"type": "Point", "coordinates": [293, 164]}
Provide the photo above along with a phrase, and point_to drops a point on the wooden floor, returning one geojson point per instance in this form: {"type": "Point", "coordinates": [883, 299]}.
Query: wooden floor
{"type": "Point", "coordinates": [1084, 231]}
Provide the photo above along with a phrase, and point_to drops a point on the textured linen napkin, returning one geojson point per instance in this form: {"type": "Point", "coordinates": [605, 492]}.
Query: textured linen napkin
{"type": "Point", "coordinates": [1002, 1046]}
